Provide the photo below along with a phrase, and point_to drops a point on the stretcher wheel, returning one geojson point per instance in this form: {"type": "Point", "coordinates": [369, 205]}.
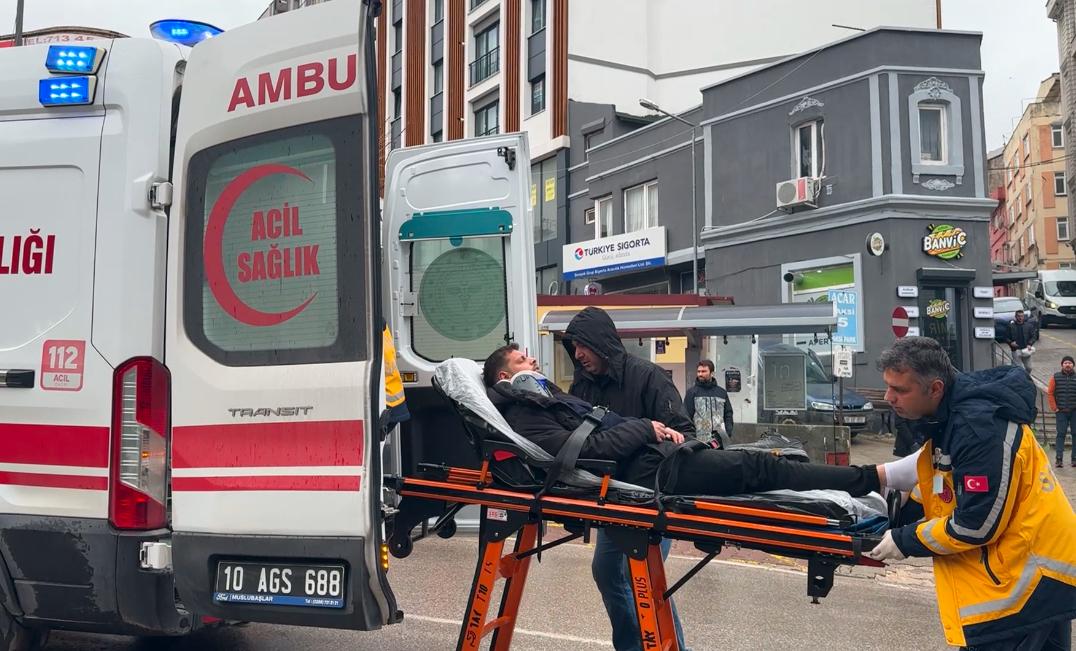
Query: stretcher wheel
{"type": "Point", "coordinates": [447, 530]}
{"type": "Point", "coordinates": [402, 547]}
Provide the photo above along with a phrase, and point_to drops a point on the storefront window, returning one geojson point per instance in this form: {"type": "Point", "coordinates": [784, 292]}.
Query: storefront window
{"type": "Point", "coordinates": [940, 311]}
{"type": "Point", "coordinates": [830, 280]}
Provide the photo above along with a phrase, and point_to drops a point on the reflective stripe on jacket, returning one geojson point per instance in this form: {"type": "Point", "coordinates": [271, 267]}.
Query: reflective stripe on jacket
{"type": "Point", "coordinates": [1003, 537]}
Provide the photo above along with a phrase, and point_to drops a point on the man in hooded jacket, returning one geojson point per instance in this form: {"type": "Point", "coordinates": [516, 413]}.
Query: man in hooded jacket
{"type": "Point", "coordinates": [606, 375]}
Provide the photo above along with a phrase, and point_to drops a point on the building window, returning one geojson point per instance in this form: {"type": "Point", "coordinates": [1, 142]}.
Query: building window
{"type": "Point", "coordinates": [1064, 265]}
{"type": "Point", "coordinates": [538, 95]}
{"type": "Point", "coordinates": [604, 227]}
{"type": "Point", "coordinates": [437, 136]}
{"type": "Point", "coordinates": [1059, 184]}
{"type": "Point", "coordinates": [838, 281]}
{"type": "Point", "coordinates": [537, 15]}
{"type": "Point", "coordinates": [486, 119]}
{"type": "Point", "coordinates": [1057, 136]}
{"type": "Point", "coordinates": [933, 132]}
{"type": "Point", "coordinates": [1027, 193]}
{"type": "Point", "coordinates": [1031, 236]}
{"type": "Point", "coordinates": [1027, 145]}
{"type": "Point", "coordinates": [475, 3]}
{"type": "Point", "coordinates": [487, 54]}
{"type": "Point", "coordinates": [397, 36]}
{"type": "Point", "coordinates": [1062, 229]}
{"type": "Point", "coordinates": [438, 10]}
{"type": "Point", "coordinates": [438, 77]}
{"type": "Point", "coordinates": [1012, 218]}
{"type": "Point", "coordinates": [641, 207]}
{"type": "Point", "coordinates": [588, 217]}
{"type": "Point", "coordinates": [397, 103]}
{"type": "Point", "coordinates": [810, 149]}
{"type": "Point", "coordinates": [544, 200]}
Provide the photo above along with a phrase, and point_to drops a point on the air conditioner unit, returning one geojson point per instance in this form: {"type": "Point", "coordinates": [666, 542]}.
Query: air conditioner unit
{"type": "Point", "coordinates": [797, 192]}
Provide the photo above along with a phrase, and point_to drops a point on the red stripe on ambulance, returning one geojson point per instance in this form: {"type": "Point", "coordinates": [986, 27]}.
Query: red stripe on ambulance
{"type": "Point", "coordinates": [54, 445]}
{"type": "Point", "coordinates": [266, 483]}
{"type": "Point", "coordinates": [53, 481]}
{"type": "Point", "coordinates": [309, 443]}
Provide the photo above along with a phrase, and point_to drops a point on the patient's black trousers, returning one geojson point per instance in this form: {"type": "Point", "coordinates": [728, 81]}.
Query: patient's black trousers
{"type": "Point", "coordinates": [729, 472]}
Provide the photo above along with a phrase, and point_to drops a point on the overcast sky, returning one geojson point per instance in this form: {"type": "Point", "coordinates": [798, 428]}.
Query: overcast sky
{"type": "Point", "coordinates": [1019, 41]}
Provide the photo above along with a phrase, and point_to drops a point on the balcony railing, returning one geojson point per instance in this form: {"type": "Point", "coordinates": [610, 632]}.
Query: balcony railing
{"type": "Point", "coordinates": [486, 66]}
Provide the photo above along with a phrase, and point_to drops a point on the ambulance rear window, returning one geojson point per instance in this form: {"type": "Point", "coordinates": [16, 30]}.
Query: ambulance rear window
{"type": "Point", "coordinates": [275, 235]}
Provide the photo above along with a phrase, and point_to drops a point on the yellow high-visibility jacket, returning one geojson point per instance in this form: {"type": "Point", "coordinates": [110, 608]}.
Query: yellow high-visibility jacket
{"type": "Point", "coordinates": [395, 402]}
{"type": "Point", "coordinates": [1001, 531]}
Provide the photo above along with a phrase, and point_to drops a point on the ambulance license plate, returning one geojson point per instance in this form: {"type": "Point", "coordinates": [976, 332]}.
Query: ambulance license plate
{"type": "Point", "coordinates": [280, 584]}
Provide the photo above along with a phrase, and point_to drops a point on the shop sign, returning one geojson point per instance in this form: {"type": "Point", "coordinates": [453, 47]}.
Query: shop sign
{"type": "Point", "coordinates": [913, 331]}
{"type": "Point", "coordinates": [842, 362]}
{"type": "Point", "coordinates": [847, 303]}
{"type": "Point", "coordinates": [984, 333]}
{"type": "Point", "coordinates": [938, 308]}
{"type": "Point", "coordinates": [945, 242]}
{"type": "Point", "coordinates": [635, 251]}
{"type": "Point", "coordinates": [984, 313]}
{"type": "Point", "coordinates": [876, 244]}
{"type": "Point", "coordinates": [907, 291]}
{"type": "Point", "coordinates": [983, 292]}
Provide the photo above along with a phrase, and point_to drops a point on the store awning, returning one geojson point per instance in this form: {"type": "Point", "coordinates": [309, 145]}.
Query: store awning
{"type": "Point", "coordinates": [709, 321]}
{"type": "Point", "coordinates": [1007, 277]}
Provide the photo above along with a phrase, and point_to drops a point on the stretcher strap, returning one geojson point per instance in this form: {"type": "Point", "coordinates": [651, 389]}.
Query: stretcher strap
{"type": "Point", "coordinates": [569, 452]}
{"type": "Point", "coordinates": [670, 466]}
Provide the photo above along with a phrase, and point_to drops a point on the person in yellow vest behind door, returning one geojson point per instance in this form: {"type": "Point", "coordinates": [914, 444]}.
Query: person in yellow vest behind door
{"type": "Point", "coordinates": [395, 403]}
{"type": "Point", "coordinates": [1000, 530]}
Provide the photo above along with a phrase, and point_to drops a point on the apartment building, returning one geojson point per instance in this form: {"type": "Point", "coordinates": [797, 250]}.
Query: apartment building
{"type": "Point", "coordinates": [1036, 184]}
{"type": "Point", "coordinates": [1063, 12]}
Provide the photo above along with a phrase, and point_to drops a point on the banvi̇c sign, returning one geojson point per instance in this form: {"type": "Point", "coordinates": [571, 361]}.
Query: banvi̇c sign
{"type": "Point", "coordinates": [617, 254]}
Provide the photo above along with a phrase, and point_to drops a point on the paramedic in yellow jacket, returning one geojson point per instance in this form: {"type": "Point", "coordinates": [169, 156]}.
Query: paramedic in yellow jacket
{"type": "Point", "coordinates": [996, 522]}
{"type": "Point", "coordinates": [395, 404]}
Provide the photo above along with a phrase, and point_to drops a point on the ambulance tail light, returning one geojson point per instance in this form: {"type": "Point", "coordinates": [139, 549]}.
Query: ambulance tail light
{"type": "Point", "coordinates": [141, 427]}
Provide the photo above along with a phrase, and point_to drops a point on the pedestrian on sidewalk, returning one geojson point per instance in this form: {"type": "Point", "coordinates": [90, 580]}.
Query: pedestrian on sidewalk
{"type": "Point", "coordinates": [1022, 337]}
{"type": "Point", "coordinates": [1062, 395]}
{"type": "Point", "coordinates": [708, 406]}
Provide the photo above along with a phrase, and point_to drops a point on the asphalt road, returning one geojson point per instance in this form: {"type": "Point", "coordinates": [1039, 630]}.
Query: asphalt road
{"type": "Point", "coordinates": [742, 600]}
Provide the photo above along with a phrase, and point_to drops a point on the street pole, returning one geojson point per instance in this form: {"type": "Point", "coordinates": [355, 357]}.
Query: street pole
{"type": "Point", "coordinates": [647, 104]}
{"type": "Point", "coordinates": [694, 220]}
{"type": "Point", "coordinates": [18, 22]}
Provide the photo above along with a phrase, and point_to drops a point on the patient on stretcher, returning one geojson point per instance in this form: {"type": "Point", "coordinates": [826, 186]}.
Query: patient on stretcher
{"type": "Point", "coordinates": [538, 410]}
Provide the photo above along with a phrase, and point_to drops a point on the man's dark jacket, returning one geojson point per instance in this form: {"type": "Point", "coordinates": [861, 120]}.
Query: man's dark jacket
{"type": "Point", "coordinates": [549, 422]}
{"type": "Point", "coordinates": [1023, 334]}
{"type": "Point", "coordinates": [712, 391]}
{"type": "Point", "coordinates": [630, 386]}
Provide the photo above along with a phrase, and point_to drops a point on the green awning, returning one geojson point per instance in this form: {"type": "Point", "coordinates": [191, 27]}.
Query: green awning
{"type": "Point", "coordinates": [445, 224]}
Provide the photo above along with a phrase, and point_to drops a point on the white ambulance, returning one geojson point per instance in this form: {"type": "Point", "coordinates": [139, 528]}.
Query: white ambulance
{"type": "Point", "coordinates": [190, 366]}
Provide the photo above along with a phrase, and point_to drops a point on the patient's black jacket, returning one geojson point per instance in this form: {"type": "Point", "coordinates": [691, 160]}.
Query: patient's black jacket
{"type": "Point", "coordinates": [632, 444]}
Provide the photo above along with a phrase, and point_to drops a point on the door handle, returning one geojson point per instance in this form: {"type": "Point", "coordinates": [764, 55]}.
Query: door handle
{"type": "Point", "coordinates": [17, 378]}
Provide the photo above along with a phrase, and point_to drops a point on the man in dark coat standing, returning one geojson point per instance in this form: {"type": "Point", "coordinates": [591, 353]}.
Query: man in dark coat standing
{"type": "Point", "coordinates": [606, 375]}
{"type": "Point", "coordinates": [708, 406]}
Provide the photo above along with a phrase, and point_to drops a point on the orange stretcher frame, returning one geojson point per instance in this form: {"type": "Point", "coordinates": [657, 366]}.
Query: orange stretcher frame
{"type": "Point", "coordinates": [638, 529]}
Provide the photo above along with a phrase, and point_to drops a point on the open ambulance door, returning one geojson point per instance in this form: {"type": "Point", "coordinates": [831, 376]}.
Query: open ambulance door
{"type": "Point", "coordinates": [274, 326]}
{"type": "Point", "coordinates": [460, 274]}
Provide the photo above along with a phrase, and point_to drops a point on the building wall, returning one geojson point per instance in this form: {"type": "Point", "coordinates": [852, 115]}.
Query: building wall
{"type": "Point", "coordinates": [666, 50]}
{"type": "Point", "coordinates": [1063, 12]}
{"type": "Point", "coordinates": [1032, 207]}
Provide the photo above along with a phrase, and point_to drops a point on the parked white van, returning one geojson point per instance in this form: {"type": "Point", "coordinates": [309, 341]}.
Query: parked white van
{"type": "Point", "coordinates": [1052, 297]}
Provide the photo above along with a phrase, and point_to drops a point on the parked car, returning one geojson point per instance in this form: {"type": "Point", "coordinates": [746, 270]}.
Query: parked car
{"type": "Point", "coordinates": [1005, 308]}
{"type": "Point", "coordinates": [822, 397]}
{"type": "Point", "coordinates": [1052, 297]}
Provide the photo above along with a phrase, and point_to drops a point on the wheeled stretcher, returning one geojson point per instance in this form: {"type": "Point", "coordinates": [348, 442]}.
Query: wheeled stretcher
{"type": "Point", "coordinates": [520, 486]}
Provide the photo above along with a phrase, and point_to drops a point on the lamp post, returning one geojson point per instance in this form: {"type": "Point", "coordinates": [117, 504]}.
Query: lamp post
{"type": "Point", "coordinates": [18, 22]}
{"type": "Point", "coordinates": [651, 106]}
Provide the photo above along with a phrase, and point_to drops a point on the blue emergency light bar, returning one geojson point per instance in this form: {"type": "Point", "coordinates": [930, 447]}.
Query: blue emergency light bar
{"type": "Point", "coordinates": [184, 32]}
{"type": "Point", "coordinates": [77, 59]}
{"type": "Point", "coordinates": [66, 91]}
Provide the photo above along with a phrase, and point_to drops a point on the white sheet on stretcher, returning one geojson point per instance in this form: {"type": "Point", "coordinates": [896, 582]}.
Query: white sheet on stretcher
{"type": "Point", "coordinates": [461, 380]}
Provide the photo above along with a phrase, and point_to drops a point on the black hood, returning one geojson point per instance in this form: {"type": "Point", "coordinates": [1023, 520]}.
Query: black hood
{"type": "Point", "coordinates": [594, 328]}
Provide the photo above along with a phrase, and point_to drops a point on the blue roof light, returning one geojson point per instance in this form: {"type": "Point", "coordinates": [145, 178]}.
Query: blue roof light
{"type": "Point", "coordinates": [184, 32]}
{"type": "Point", "coordinates": [66, 91]}
{"type": "Point", "coordinates": [80, 59]}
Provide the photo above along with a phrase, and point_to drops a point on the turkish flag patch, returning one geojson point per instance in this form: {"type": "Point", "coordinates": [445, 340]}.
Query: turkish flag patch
{"type": "Point", "coordinates": [976, 484]}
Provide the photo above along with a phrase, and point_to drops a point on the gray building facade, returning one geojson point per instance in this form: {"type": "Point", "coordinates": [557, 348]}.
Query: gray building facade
{"type": "Point", "coordinates": [884, 131]}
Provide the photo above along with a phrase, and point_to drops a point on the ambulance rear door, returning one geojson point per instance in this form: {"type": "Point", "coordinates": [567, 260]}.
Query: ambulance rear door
{"type": "Point", "coordinates": [273, 334]}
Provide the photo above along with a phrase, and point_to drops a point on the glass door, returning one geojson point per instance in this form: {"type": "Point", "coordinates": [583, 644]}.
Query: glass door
{"type": "Point", "coordinates": [940, 317]}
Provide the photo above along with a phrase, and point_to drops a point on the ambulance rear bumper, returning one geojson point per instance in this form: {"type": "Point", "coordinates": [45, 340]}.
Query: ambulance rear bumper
{"type": "Point", "coordinates": [81, 574]}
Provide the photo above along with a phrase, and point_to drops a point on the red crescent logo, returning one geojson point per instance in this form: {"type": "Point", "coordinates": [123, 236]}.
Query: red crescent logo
{"type": "Point", "coordinates": [213, 248]}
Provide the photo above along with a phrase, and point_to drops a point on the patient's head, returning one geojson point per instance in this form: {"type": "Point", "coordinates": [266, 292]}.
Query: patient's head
{"type": "Point", "coordinates": [505, 362]}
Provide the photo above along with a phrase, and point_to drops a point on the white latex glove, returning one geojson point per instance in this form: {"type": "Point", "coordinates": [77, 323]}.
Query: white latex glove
{"type": "Point", "coordinates": [886, 550]}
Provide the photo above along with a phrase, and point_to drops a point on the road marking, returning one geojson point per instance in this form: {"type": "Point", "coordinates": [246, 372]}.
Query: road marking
{"type": "Point", "coordinates": [1060, 341]}
{"type": "Point", "coordinates": [560, 637]}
